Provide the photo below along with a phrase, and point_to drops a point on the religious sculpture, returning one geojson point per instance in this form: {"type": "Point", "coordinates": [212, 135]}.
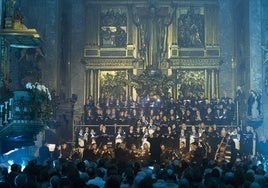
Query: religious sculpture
{"type": "Point", "coordinates": [265, 61]}
{"type": "Point", "coordinates": [254, 105]}
{"type": "Point", "coordinates": [152, 24]}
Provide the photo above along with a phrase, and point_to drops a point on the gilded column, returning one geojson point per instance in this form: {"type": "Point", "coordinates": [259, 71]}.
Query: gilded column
{"type": "Point", "coordinates": [209, 84]}
{"type": "Point", "coordinates": [206, 82]}
{"type": "Point", "coordinates": [217, 82]}
{"type": "Point", "coordinates": [212, 83]}
{"type": "Point", "coordinates": [89, 86]}
{"type": "Point", "coordinates": [86, 86]}
{"type": "Point", "coordinates": [96, 85]}
{"type": "Point", "coordinates": [134, 93]}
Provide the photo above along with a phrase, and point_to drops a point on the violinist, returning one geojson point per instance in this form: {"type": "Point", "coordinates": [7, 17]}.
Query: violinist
{"type": "Point", "coordinates": [145, 151]}
{"type": "Point", "coordinates": [91, 152]}
{"type": "Point", "coordinates": [134, 152]}
{"type": "Point", "coordinates": [165, 154]}
{"type": "Point", "coordinates": [197, 153]}
{"type": "Point", "coordinates": [121, 153]}
{"type": "Point", "coordinates": [105, 152]}
{"type": "Point", "coordinates": [182, 149]}
{"type": "Point", "coordinates": [130, 136]}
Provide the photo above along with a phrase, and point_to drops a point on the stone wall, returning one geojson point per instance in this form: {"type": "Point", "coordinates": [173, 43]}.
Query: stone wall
{"type": "Point", "coordinates": [226, 41]}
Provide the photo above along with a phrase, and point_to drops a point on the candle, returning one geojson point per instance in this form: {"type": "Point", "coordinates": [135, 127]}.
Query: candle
{"type": "Point", "coordinates": [5, 119]}
{"type": "Point", "coordinates": [10, 115]}
{"type": "Point", "coordinates": [6, 104]}
{"type": "Point", "coordinates": [1, 108]}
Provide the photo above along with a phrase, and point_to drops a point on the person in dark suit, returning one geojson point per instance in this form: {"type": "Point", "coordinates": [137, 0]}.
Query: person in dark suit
{"type": "Point", "coordinates": [155, 149]}
{"type": "Point", "coordinates": [44, 153]}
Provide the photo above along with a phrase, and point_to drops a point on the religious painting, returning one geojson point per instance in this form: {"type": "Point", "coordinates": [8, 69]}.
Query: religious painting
{"type": "Point", "coordinates": [191, 27]}
{"type": "Point", "coordinates": [191, 82]}
{"type": "Point", "coordinates": [113, 83]}
{"type": "Point", "coordinates": [113, 28]}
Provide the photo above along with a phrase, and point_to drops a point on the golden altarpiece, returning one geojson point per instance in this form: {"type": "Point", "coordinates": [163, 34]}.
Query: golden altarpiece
{"type": "Point", "coordinates": [177, 38]}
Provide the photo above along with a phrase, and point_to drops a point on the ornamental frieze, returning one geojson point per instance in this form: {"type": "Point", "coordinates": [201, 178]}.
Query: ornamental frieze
{"type": "Point", "coordinates": [109, 63]}
{"type": "Point", "coordinates": [195, 63]}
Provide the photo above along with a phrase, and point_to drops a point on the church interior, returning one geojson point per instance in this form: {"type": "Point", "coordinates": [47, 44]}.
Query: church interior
{"type": "Point", "coordinates": [69, 68]}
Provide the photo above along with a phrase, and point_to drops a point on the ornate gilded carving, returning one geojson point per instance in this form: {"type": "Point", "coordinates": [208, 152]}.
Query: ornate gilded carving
{"type": "Point", "coordinates": [191, 82]}
{"type": "Point", "coordinates": [152, 83]}
{"type": "Point", "coordinates": [113, 83]}
{"type": "Point", "coordinates": [166, 38]}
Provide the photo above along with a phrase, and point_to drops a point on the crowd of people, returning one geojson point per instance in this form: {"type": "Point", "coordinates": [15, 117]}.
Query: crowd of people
{"type": "Point", "coordinates": [177, 124]}
{"type": "Point", "coordinates": [190, 110]}
{"type": "Point", "coordinates": [58, 171]}
{"type": "Point", "coordinates": [150, 143]}
{"type": "Point", "coordinates": [178, 142]}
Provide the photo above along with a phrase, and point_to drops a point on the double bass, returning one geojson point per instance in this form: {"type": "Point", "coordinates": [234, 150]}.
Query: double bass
{"type": "Point", "coordinates": [223, 152]}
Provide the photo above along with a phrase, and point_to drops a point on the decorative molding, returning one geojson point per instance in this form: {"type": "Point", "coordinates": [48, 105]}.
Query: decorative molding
{"type": "Point", "coordinates": [129, 63]}
{"type": "Point", "coordinates": [109, 63]}
{"type": "Point", "coordinates": [195, 63]}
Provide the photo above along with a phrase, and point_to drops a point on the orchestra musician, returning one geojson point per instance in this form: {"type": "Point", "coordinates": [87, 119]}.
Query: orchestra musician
{"type": "Point", "coordinates": [193, 135]}
{"type": "Point", "coordinates": [130, 136]}
{"type": "Point", "coordinates": [65, 151]}
{"type": "Point", "coordinates": [92, 136]}
{"type": "Point", "coordinates": [196, 153]}
{"type": "Point", "coordinates": [120, 135]}
{"type": "Point", "coordinates": [213, 139]}
{"type": "Point", "coordinates": [103, 136]}
{"type": "Point", "coordinates": [182, 149]}
{"type": "Point", "coordinates": [105, 152]}
{"type": "Point", "coordinates": [121, 152]}
{"type": "Point", "coordinates": [169, 138]}
{"type": "Point", "coordinates": [145, 151]}
{"type": "Point", "coordinates": [205, 145]}
{"type": "Point", "coordinates": [138, 136]}
{"type": "Point", "coordinates": [246, 141]}
{"type": "Point", "coordinates": [56, 154]}
{"type": "Point", "coordinates": [91, 152]}
{"type": "Point", "coordinates": [165, 154]}
{"type": "Point", "coordinates": [182, 139]}
{"type": "Point", "coordinates": [81, 140]}
{"type": "Point", "coordinates": [86, 135]}
{"type": "Point", "coordinates": [134, 152]}
{"type": "Point", "coordinates": [155, 150]}
{"type": "Point", "coordinates": [235, 135]}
